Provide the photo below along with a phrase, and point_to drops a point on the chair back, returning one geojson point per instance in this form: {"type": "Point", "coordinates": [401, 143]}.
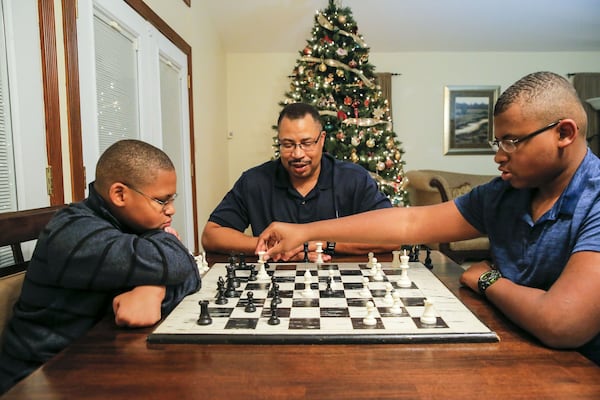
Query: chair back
{"type": "Point", "coordinates": [16, 228]}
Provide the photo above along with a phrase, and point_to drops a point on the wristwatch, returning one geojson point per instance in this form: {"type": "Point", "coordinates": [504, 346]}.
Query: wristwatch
{"type": "Point", "coordinates": [487, 279]}
{"type": "Point", "coordinates": [330, 249]}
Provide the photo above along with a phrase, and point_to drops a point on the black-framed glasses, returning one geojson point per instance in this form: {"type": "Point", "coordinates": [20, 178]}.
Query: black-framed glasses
{"type": "Point", "coordinates": [162, 203]}
{"type": "Point", "coordinates": [288, 146]}
{"type": "Point", "coordinates": [510, 145]}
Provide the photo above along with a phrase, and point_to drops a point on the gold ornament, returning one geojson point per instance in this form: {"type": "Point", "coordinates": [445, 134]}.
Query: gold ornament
{"type": "Point", "coordinates": [339, 73]}
{"type": "Point", "coordinates": [397, 155]}
{"type": "Point", "coordinates": [322, 67]}
{"type": "Point", "coordinates": [353, 156]}
{"type": "Point", "coordinates": [371, 143]}
{"type": "Point", "coordinates": [342, 19]}
{"type": "Point", "coordinates": [380, 166]}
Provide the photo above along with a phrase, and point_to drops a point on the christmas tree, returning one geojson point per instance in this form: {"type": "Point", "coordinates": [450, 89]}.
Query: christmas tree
{"type": "Point", "coordinates": [333, 74]}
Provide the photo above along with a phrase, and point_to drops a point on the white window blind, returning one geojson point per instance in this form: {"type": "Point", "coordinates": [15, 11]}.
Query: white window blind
{"type": "Point", "coordinates": [116, 82]}
{"type": "Point", "coordinates": [7, 173]}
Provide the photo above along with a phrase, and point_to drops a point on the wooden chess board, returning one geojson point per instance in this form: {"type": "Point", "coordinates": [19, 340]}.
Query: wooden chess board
{"type": "Point", "coordinates": [328, 316]}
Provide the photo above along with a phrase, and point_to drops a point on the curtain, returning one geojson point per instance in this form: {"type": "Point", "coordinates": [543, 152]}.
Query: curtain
{"type": "Point", "coordinates": [384, 80]}
{"type": "Point", "coordinates": [587, 85]}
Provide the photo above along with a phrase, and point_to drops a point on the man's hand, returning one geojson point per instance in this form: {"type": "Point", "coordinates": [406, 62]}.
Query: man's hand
{"type": "Point", "coordinates": [281, 240]}
{"type": "Point", "coordinates": [297, 254]}
{"type": "Point", "coordinates": [470, 277]}
{"type": "Point", "coordinates": [172, 231]}
{"type": "Point", "coordinates": [139, 307]}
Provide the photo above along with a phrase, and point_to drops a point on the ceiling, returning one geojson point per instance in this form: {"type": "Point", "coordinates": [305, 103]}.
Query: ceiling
{"type": "Point", "coordinates": [273, 26]}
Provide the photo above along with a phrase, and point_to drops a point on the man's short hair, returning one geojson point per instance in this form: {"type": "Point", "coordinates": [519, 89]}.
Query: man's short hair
{"type": "Point", "coordinates": [297, 111]}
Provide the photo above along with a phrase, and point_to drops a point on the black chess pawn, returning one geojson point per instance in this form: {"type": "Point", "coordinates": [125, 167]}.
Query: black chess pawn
{"type": "Point", "coordinates": [204, 318]}
{"type": "Point", "coordinates": [328, 289]}
{"type": "Point", "coordinates": [242, 261]}
{"type": "Point", "coordinates": [276, 299]}
{"type": "Point", "coordinates": [274, 320]}
{"type": "Point", "coordinates": [250, 306]}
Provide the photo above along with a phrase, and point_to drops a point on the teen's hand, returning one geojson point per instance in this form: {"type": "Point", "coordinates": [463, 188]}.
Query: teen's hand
{"type": "Point", "coordinates": [139, 307]}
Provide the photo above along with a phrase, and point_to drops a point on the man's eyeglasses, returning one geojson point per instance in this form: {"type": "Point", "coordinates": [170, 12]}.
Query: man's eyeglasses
{"type": "Point", "coordinates": [510, 145]}
{"type": "Point", "coordinates": [288, 146]}
{"type": "Point", "coordinates": [162, 203]}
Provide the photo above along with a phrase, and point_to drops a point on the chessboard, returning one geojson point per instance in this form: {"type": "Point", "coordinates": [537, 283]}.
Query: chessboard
{"type": "Point", "coordinates": [279, 303]}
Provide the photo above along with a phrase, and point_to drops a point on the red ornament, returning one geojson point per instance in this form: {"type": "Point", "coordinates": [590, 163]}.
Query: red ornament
{"type": "Point", "coordinates": [327, 39]}
{"type": "Point", "coordinates": [307, 51]}
{"type": "Point", "coordinates": [341, 115]}
{"type": "Point", "coordinates": [367, 102]}
{"type": "Point", "coordinates": [347, 100]}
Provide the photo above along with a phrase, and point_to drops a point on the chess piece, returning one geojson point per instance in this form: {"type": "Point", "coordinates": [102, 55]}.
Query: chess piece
{"type": "Point", "coordinates": [404, 281]}
{"type": "Point", "coordinates": [252, 277]}
{"type": "Point", "coordinates": [404, 258]}
{"type": "Point", "coordinates": [428, 317]}
{"type": "Point", "coordinates": [378, 272]}
{"type": "Point", "coordinates": [329, 290]}
{"type": "Point", "coordinates": [388, 294]}
{"type": "Point", "coordinates": [395, 258]}
{"type": "Point", "coordinates": [306, 252]}
{"type": "Point", "coordinates": [397, 306]}
{"type": "Point", "coordinates": [262, 274]}
{"type": "Point", "coordinates": [250, 306]}
{"type": "Point", "coordinates": [365, 292]}
{"type": "Point", "coordinates": [319, 253]}
{"type": "Point", "coordinates": [204, 318]}
{"type": "Point", "coordinates": [307, 292]}
{"type": "Point", "coordinates": [274, 320]}
{"type": "Point", "coordinates": [276, 299]}
{"type": "Point", "coordinates": [370, 259]}
{"type": "Point", "coordinates": [370, 318]}
{"type": "Point", "coordinates": [428, 262]}
{"type": "Point", "coordinates": [221, 298]}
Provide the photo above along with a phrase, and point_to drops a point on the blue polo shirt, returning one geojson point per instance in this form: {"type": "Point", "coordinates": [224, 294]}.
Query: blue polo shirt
{"type": "Point", "coordinates": [534, 253]}
{"type": "Point", "coordinates": [264, 194]}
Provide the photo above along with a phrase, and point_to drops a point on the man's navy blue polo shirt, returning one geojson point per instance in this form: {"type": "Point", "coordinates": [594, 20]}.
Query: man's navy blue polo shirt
{"type": "Point", "coordinates": [264, 194]}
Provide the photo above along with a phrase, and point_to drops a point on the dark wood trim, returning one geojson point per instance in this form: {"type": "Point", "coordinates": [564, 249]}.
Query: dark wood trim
{"type": "Point", "coordinates": [51, 98]}
{"type": "Point", "coordinates": [69, 10]}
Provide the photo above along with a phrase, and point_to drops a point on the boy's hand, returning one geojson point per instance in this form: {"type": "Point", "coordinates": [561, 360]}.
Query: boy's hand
{"type": "Point", "coordinates": [139, 307]}
{"type": "Point", "coordinates": [172, 231]}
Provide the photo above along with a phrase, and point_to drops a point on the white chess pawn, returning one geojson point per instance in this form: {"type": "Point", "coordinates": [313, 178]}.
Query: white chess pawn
{"type": "Point", "coordinates": [319, 253]}
{"type": "Point", "coordinates": [308, 279]}
{"type": "Point", "coordinates": [378, 273]}
{"type": "Point", "coordinates": [365, 292]}
{"type": "Point", "coordinates": [428, 316]}
{"type": "Point", "coordinates": [395, 258]}
{"type": "Point", "coordinates": [397, 307]}
{"type": "Point", "coordinates": [261, 256]}
{"type": "Point", "coordinates": [370, 259]}
{"type": "Point", "coordinates": [370, 318]}
{"type": "Point", "coordinates": [373, 265]}
{"type": "Point", "coordinates": [387, 299]}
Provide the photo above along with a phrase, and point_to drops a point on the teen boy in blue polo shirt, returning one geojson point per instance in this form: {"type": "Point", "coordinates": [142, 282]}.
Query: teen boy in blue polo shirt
{"type": "Point", "coordinates": [303, 185]}
{"type": "Point", "coordinates": [542, 216]}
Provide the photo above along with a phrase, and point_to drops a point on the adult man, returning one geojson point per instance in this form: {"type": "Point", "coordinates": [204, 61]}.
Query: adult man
{"type": "Point", "coordinates": [303, 185]}
{"type": "Point", "coordinates": [542, 217]}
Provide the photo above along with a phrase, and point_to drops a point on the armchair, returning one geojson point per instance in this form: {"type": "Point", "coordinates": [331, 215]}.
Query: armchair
{"type": "Point", "coordinates": [428, 187]}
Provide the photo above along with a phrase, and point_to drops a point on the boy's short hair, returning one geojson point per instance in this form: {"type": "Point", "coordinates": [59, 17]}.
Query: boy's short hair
{"type": "Point", "coordinates": [131, 161]}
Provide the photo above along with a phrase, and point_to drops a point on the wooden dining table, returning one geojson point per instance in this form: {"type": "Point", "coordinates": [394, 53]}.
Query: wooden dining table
{"type": "Point", "coordinates": [116, 363]}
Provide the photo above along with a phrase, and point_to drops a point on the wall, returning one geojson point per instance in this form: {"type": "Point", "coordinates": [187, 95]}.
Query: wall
{"type": "Point", "coordinates": [209, 103]}
{"type": "Point", "coordinates": [256, 84]}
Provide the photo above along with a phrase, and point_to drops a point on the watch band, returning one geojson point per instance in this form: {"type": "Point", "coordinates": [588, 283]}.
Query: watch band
{"type": "Point", "coordinates": [487, 279]}
{"type": "Point", "coordinates": [330, 249]}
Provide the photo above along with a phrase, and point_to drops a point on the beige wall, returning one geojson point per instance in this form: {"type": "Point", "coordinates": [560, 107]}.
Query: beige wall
{"type": "Point", "coordinates": [257, 82]}
{"type": "Point", "coordinates": [210, 105]}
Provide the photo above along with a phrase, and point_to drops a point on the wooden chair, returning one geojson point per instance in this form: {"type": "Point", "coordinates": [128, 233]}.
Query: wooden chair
{"type": "Point", "coordinates": [18, 227]}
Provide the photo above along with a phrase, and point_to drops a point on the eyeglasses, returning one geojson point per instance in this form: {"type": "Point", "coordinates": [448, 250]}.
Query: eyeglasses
{"type": "Point", "coordinates": [510, 145]}
{"type": "Point", "coordinates": [162, 203]}
{"type": "Point", "coordinates": [288, 146]}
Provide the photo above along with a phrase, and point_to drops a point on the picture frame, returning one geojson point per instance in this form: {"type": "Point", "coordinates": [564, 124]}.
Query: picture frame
{"type": "Point", "coordinates": [469, 119]}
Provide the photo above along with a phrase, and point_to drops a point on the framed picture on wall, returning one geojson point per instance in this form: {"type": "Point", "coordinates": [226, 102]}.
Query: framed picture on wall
{"type": "Point", "coordinates": [468, 119]}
